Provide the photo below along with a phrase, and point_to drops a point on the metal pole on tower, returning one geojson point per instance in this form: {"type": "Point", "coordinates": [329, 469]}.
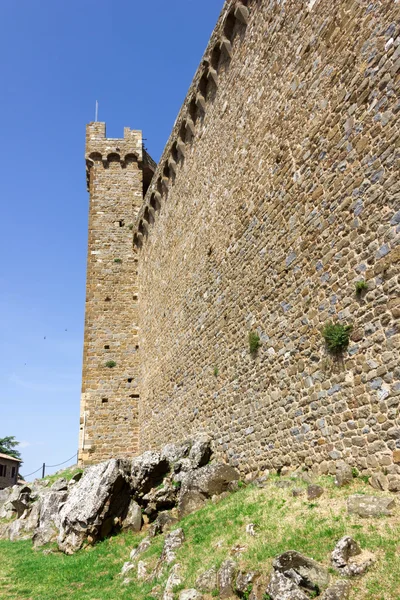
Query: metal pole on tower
{"type": "Point", "coordinates": [97, 110]}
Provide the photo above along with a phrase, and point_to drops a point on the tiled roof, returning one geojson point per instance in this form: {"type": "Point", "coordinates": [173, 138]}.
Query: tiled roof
{"type": "Point", "coordinates": [9, 457]}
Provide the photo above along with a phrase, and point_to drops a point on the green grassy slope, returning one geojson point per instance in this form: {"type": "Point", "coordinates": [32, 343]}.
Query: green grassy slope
{"type": "Point", "coordinates": [213, 534]}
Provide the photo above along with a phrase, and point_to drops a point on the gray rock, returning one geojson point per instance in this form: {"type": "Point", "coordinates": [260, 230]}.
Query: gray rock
{"type": "Point", "coordinates": [244, 580]}
{"type": "Point", "coordinates": [144, 544]}
{"type": "Point", "coordinates": [164, 521]}
{"type": "Point", "coordinates": [98, 501]}
{"type": "Point", "coordinates": [207, 581]}
{"type": "Point", "coordinates": [285, 483]}
{"type": "Point", "coordinates": [348, 558]}
{"type": "Point", "coordinates": [162, 498]}
{"type": "Point", "coordinates": [126, 568]}
{"type": "Point", "coordinates": [49, 520]}
{"type": "Point", "coordinates": [338, 591]}
{"type": "Point", "coordinates": [190, 595]}
{"type": "Point", "coordinates": [175, 452]}
{"type": "Point", "coordinates": [294, 565]}
{"type": "Point", "coordinates": [298, 492]}
{"type": "Point", "coordinates": [344, 474]}
{"type": "Point", "coordinates": [173, 580]}
{"type": "Point", "coordinates": [60, 485]}
{"type": "Point", "coordinates": [133, 519]}
{"type": "Point", "coordinates": [201, 484]}
{"type": "Point", "coordinates": [314, 491]}
{"type": "Point", "coordinates": [20, 499]}
{"type": "Point", "coordinates": [283, 588]}
{"type": "Point", "coordinates": [379, 482]}
{"type": "Point", "coordinates": [226, 579]}
{"type": "Point", "coordinates": [370, 506]}
{"type": "Point", "coordinates": [23, 528]}
{"type": "Point", "coordinates": [173, 541]}
{"type": "Point", "coordinates": [148, 471]}
{"type": "Point", "coordinates": [200, 452]}
{"type": "Point", "coordinates": [142, 570]}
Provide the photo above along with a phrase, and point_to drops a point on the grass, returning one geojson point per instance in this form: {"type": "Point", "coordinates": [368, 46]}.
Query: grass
{"type": "Point", "coordinates": [111, 364]}
{"type": "Point", "coordinates": [361, 286]}
{"type": "Point", "coordinates": [254, 342]}
{"type": "Point", "coordinates": [65, 473]}
{"type": "Point", "coordinates": [213, 534]}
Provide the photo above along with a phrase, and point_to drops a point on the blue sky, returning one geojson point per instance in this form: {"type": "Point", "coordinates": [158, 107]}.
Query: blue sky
{"type": "Point", "coordinates": [56, 58]}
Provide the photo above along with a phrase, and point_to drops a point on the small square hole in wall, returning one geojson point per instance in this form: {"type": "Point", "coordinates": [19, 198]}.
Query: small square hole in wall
{"type": "Point", "coordinates": [134, 396]}
{"type": "Point", "coordinates": [104, 400]}
{"type": "Point", "coordinates": [108, 299]}
{"type": "Point", "coordinates": [121, 223]}
{"type": "Point", "coordinates": [136, 347]}
{"type": "Point", "coordinates": [135, 297]}
{"type": "Point", "coordinates": [130, 379]}
{"type": "Point", "coordinates": [106, 347]}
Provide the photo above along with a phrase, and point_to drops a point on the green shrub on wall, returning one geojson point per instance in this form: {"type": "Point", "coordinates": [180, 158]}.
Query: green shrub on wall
{"type": "Point", "coordinates": [111, 364]}
{"type": "Point", "coordinates": [254, 342]}
{"type": "Point", "coordinates": [337, 337]}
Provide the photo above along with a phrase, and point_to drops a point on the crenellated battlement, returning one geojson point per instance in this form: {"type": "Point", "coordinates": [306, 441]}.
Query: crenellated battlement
{"type": "Point", "coordinates": [101, 149]}
{"type": "Point", "coordinates": [225, 40]}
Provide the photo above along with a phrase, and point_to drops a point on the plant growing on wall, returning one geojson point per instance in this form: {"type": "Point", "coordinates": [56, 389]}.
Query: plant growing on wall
{"type": "Point", "coordinates": [337, 337]}
{"type": "Point", "coordinates": [254, 342]}
{"type": "Point", "coordinates": [216, 371]}
{"type": "Point", "coordinates": [118, 260]}
{"type": "Point", "coordinates": [361, 286]}
{"type": "Point", "coordinates": [111, 364]}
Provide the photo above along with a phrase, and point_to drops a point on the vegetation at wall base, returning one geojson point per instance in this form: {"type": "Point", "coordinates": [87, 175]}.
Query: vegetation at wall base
{"type": "Point", "coordinates": [212, 535]}
{"type": "Point", "coordinates": [337, 337]}
{"type": "Point", "coordinates": [254, 342]}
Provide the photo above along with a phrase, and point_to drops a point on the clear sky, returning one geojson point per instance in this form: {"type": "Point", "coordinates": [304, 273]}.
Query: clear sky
{"type": "Point", "coordinates": [56, 58]}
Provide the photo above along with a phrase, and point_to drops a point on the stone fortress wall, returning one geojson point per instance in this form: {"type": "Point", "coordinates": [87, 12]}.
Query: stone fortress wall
{"type": "Point", "coordinates": [116, 172]}
{"type": "Point", "coordinates": [277, 191]}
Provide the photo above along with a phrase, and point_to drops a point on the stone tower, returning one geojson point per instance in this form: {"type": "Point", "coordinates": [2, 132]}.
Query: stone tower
{"type": "Point", "coordinates": [118, 174]}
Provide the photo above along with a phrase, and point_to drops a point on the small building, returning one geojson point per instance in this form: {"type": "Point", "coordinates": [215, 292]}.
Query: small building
{"type": "Point", "coordinates": [9, 467]}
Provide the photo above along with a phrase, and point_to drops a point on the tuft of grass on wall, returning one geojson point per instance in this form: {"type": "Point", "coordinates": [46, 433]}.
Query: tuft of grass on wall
{"type": "Point", "coordinates": [337, 337]}
{"type": "Point", "coordinates": [254, 342]}
{"type": "Point", "coordinates": [361, 287]}
{"type": "Point", "coordinates": [111, 364]}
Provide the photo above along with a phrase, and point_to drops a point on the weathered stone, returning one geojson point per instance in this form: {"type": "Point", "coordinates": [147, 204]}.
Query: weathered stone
{"type": "Point", "coordinates": [207, 581]}
{"type": "Point", "coordinates": [338, 591]}
{"type": "Point", "coordinates": [148, 471]}
{"type": "Point", "coordinates": [298, 492]}
{"type": "Point", "coordinates": [283, 588]}
{"type": "Point", "coordinates": [133, 519]}
{"type": "Point", "coordinates": [94, 504]}
{"type": "Point", "coordinates": [200, 452]}
{"type": "Point", "coordinates": [50, 505]}
{"type": "Point", "coordinates": [244, 581]}
{"type": "Point", "coordinates": [175, 452]}
{"type": "Point", "coordinates": [173, 580]}
{"type": "Point", "coordinates": [311, 575]}
{"type": "Point", "coordinates": [163, 497]}
{"type": "Point", "coordinates": [24, 527]}
{"type": "Point", "coordinates": [348, 558]}
{"type": "Point", "coordinates": [201, 484]}
{"type": "Point", "coordinates": [379, 482]}
{"type": "Point", "coordinates": [60, 485]}
{"type": "Point", "coordinates": [164, 521]}
{"type": "Point", "coordinates": [144, 544]}
{"type": "Point", "coordinates": [226, 579]}
{"type": "Point", "coordinates": [314, 491]}
{"type": "Point", "coordinates": [344, 474]}
{"type": "Point", "coordinates": [370, 506]}
{"type": "Point", "coordinates": [173, 541]}
{"type": "Point", "coordinates": [190, 595]}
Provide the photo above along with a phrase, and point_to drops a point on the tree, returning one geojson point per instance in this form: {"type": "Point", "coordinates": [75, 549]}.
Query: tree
{"type": "Point", "coordinates": [8, 445]}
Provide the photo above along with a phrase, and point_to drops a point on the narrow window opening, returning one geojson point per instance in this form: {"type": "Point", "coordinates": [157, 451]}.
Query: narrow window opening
{"type": "Point", "coordinates": [104, 400]}
{"type": "Point", "coordinates": [130, 379]}
{"type": "Point", "coordinates": [13, 472]}
{"type": "Point", "coordinates": [135, 297]}
{"type": "Point", "coordinates": [108, 299]}
{"type": "Point", "coordinates": [134, 396]}
{"type": "Point", "coordinates": [121, 223]}
{"type": "Point", "coordinates": [106, 347]}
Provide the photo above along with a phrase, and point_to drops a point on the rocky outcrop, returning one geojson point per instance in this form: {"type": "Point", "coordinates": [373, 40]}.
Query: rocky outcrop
{"type": "Point", "coordinates": [370, 506]}
{"type": "Point", "coordinates": [49, 520]}
{"type": "Point", "coordinates": [348, 558]}
{"type": "Point", "coordinates": [304, 571]}
{"type": "Point", "coordinates": [94, 505]}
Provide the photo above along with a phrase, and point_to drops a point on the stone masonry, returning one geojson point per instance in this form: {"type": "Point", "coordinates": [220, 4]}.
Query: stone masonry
{"type": "Point", "coordinates": [277, 191]}
{"type": "Point", "coordinates": [117, 169]}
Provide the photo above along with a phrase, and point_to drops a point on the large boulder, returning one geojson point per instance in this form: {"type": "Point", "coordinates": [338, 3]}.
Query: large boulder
{"type": "Point", "coordinates": [95, 504]}
{"type": "Point", "coordinates": [148, 471]}
{"type": "Point", "coordinates": [201, 484]}
{"type": "Point", "coordinates": [306, 572]}
{"type": "Point", "coordinates": [49, 520]}
{"type": "Point", "coordinates": [370, 506]}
